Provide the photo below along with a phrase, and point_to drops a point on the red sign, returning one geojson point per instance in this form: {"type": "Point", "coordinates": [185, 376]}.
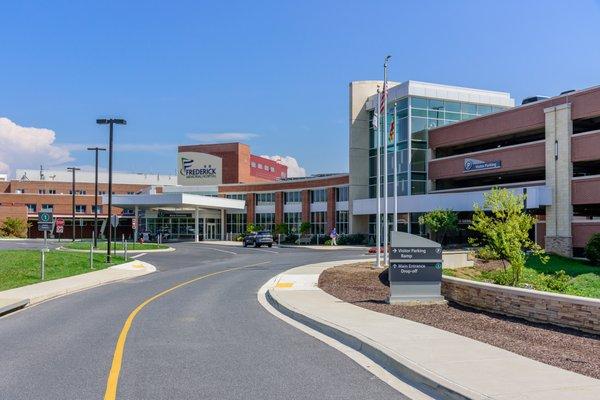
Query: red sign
{"type": "Point", "coordinates": [59, 222]}
{"type": "Point", "coordinates": [59, 228]}
{"type": "Point", "coordinates": [134, 223]}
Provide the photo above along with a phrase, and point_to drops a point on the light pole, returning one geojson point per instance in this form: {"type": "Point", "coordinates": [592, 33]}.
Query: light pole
{"type": "Point", "coordinates": [110, 122]}
{"type": "Point", "coordinates": [73, 169]}
{"type": "Point", "coordinates": [96, 150]}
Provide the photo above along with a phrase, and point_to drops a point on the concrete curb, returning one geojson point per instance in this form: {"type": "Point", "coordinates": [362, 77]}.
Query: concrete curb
{"type": "Point", "coordinates": [36, 293]}
{"type": "Point", "coordinates": [414, 375]}
{"type": "Point", "coordinates": [168, 249]}
{"type": "Point", "coordinates": [320, 247]}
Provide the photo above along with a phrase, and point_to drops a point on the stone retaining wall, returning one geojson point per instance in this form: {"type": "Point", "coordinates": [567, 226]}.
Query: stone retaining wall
{"type": "Point", "coordinates": [568, 311]}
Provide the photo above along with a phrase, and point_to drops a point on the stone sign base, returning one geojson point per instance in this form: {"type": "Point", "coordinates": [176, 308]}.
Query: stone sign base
{"type": "Point", "coordinates": [415, 293]}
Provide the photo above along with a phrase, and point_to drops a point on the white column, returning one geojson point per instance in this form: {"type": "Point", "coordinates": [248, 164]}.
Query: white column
{"type": "Point", "coordinates": [223, 224]}
{"type": "Point", "coordinates": [196, 225]}
{"type": "Point", "coordinates": [136, 211]}
{"type": "Point", "coordinates": [204, 226]}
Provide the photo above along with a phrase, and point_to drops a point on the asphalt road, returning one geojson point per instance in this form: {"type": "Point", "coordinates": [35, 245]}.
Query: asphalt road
{"type": "Point", "coordinates": [210, 339]}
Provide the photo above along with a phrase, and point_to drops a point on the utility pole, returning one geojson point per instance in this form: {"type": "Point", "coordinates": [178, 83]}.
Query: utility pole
{"type": "Point", "coordinates": [110, 123]}
{"type": "Point", "coordinates": [73, 169]}
{"type": "Point", "coordinates": [95, 236]}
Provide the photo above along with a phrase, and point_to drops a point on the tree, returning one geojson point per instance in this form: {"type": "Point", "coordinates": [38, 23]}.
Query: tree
{"type": "Point", "coordinates": [439, 223]}
{"type": "Point", "coordinates": [503, 227]}
{"type": "Point", "coordinates": [304, 228]}
{"type": "Point", "coordinates": [14, 227]}
{"type": "Point", "coordinates": [281, 229]}
{"type": "Point", "coordinates": [252, 228]}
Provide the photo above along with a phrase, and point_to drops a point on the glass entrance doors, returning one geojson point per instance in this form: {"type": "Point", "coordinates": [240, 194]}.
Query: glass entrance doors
{"type": "Point", "coordinates": [211, 231]}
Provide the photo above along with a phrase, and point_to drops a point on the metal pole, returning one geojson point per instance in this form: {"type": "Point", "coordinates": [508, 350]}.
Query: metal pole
{"type": "Point", "coordinates": [125, 250]}
{"type": "Point", "coordinates": [92, 252]}
{"type": "Point", "coordinates": [385, 166]}
{"type": "Point", "coordinates": [43, 266]}
{"type": "Point", "coordinates": [45, 239]}
{"type": "Point", "coordinates": [96, 150]}
{"type": "Point", "coordinates": [378, 144]}
{"type": "Point", "coordinates": [110, 162]}
{"type": "Point", "coordinates": [73, 205]}
{"type": "Point", "coordinates": [395, 168]}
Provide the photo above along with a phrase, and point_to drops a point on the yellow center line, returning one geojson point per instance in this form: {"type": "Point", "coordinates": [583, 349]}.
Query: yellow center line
{"type": "Point", "coordinates": [115, 369]}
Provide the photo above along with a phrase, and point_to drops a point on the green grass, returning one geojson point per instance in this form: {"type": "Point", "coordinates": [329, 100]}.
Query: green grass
{"type": "Point", "coordinates": [102, 246]}
{"type": "Point", "coordinates": [580, 278]}
{"type": "Point", "coordinates": [22, 267]}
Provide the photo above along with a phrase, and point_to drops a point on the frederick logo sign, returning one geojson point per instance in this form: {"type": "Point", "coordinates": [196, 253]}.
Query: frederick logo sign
{"type": "Point", "coordinates": [472, 165]}
{"type": "Point", "coordinates": [199, 169]}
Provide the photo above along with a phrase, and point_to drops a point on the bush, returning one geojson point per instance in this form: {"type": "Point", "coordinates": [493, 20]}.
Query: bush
{"type": "Point", "coordinates": [439, 223]}
{"type": "Point", "coordinates": [14, 227]}
{"type": "Point", "coordinates": [487, 254]}
{"type": "Point", "coordinates": [592, 249]}
{"type": "Point", "coordinates": [354, 239]}
{"type": "Point", "coordinates": [304, 228]}
{"type": "Point", "coordinates": [327, 242]}
{"type": "Point", "coordinates": [290, 239]}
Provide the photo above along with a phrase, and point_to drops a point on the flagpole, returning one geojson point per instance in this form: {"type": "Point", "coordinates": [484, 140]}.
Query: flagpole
{"type": "Point", "coordinates": [395, 168]}
{"type": "Point", "coordinates": [385, 166]}
{"type": "Point", "coordinates": [378, 144]}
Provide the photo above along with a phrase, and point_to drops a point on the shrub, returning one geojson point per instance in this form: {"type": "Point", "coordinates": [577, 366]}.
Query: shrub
{"type": "Point", "coordinates": [250, 228]}
{"type": "Point", "coordinates": [290, 239]}
{"type": "Point", "coordinates": [353, 239]}
{"type": "Point", "coordinates": [327, 242]}
{"type": "Point", "coordinates": [281, 229]}
{"type": "Point", "coordinates": [592, 249]}
{"type": "Point", "coordinates": [304, 228]}
{"type": "Point", "coordinates": [487, 254]}
{"type": "Point", "coordinates": [14, 227]}
{"type": "Point", "coordinates": [439, 223]}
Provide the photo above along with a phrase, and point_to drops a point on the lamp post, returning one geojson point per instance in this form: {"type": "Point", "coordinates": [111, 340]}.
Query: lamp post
{"type": "Point", "coordinates": [96, 150]}
{"type": "Point", "coordinates": [110, 122]}
{"type": "Point", "coordinates": [73, 169]}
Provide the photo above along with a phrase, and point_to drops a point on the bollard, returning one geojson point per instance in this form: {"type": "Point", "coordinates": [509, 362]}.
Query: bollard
{"type": "Point", "coordinates": [125, 250]}
{"type": "Point", "coordinates": [43, 264]}
{"type": "Point", "coordinates": [92, 254]}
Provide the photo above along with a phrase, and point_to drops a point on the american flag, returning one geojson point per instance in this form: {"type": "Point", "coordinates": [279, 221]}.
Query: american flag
{"type": "Point", "coordinates": [383, 99]}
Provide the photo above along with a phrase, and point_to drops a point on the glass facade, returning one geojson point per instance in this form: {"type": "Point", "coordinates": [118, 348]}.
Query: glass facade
{"type": "Point", "coordinates": [341, 222]}
{"type": "Point", "coordinates": [318, 222]}
{"type": "Point", "coordinates": [292, 197]}
{"type": "Point", "coordinates": [265, 198]}
{"type": "Point", "coordinates": [415, 115]}
{"type": "Point", "coordinates": [318, 196]}
{"type": "Point", "coordinates": [341, 193]}
{"type": "Point", "coordinates": [265, 221]}
{"type": "Point", "coordinates": [236, 223]}
{"type": "Point", "coordinates": [292, 220]}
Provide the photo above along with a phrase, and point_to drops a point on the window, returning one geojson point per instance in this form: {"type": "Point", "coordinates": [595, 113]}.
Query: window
{"type": "Point", "coordinates": [341, 193]}
{"type": "Point", "coordinates": [265, 221]}
{"type": "Point", "coordinates": [341, 222]}
{"type": "Point", "coordinates": [101, 192]}
{"type": "Point", "coordinates": [318, 196]}
{"type": "Point", "coordinates": [260, 166]}
{"type": "Point", "coordinates": [236, 196]}
{"type": "Point", "coordinates": [130, 193]}
{"type": "Point", "coordinates": [292, 220]}
{"type": "Point", "coordinates": [292, 197]}
{"type": "Point", "coordinates": [253, 164]}
{"type": "Point", "coordinates": [51, 191]}
{"type": "Point", "coordinates": [265, 198]}
{"type": "Point", "coordinates": [19, 191]}
{"type": "Point", "coordinates": [80, 208]}
{"type": "Point", "coordinates": [236, 223]}
{"type": "Point", "coordinates": [78, 192]}
{"type": "Point", "coordinates": [272, 169]}
{"type": "Point", "coordinates": [47, 207]}
{"type": "Point", "coordinates": [31, 208]}
{"type": "Point", "coordinates": [99, 209]}
{"type": "Point", "coordinates": [41, 191]}
{"type": "Point", "coordinates": [318, 222]}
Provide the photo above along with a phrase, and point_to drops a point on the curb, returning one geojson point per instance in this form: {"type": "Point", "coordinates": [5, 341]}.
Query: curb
{"type": "Point", "coordinates": [418, 377]}
{"type": "Point", "coordinates": [167, 250]}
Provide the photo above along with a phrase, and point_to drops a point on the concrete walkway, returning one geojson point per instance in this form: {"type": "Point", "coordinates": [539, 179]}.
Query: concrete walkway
{"type": "Point", "coordinates": [440, 363]}
{"type": "Point", "coordinates": [14, 299]}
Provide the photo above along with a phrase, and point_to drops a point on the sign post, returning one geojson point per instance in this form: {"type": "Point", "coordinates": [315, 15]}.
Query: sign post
{"type": "Point", "coordinates": [44, 225]}
{"type": "Point", "coordinates": [415, 271]}
{"type": "Point", "coordinates": [59, 223]}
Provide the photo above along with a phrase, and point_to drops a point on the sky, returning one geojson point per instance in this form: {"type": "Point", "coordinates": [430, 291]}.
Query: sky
{"type": "Point", "coordinates": [273, 74]}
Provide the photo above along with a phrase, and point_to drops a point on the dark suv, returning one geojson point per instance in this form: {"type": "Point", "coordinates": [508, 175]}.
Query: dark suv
{"type": "Point", "coordinates": [258, 239]}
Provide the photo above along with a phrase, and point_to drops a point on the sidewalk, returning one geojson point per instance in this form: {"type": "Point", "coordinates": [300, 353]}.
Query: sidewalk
{"type": "Point", "coordinates": [444, 364]}
{"type": "Point", "coordinates": [14, 299]}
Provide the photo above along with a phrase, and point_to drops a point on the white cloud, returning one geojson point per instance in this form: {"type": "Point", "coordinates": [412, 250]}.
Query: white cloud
{"type": "Point", "coordinates": [294, 169]}
{"type": "Point", "coordinates": [222, 137]}
{"type": "Point", "coordinates": [124, 147]}
{"type": "Point", "coordinates": [26, 147]}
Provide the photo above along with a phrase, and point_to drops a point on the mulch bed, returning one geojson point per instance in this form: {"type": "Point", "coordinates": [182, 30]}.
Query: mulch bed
{"type": "Point", "coordinates": [366, 287]}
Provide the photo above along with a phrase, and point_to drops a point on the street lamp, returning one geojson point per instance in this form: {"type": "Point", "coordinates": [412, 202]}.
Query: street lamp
{"type": "Point", "coordinates": [73, 169]}
{"type": "Point", "coordinates": [96, 150]}
{"type": "Point", "coordinates": [110, 122]}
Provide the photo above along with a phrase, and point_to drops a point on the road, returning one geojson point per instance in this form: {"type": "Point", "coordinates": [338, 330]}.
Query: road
{"type": "Point", "coordinates": [208, 339]}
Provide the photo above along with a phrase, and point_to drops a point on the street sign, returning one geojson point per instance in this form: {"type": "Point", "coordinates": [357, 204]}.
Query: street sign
{"type": "Point", "coordinates": [415, 271]}
{"type": "Point", "coordinates": [59, 222]}
{"type": "Point", "coordinates": [134, 223]}
{"type": "Point", "coordinates": [114, 221]}
{"type": "Point", "coordinates": [45, 221]}
{"type": "Point", "coordinates": [60, 228]}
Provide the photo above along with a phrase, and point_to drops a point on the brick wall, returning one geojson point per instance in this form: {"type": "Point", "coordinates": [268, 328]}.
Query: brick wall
{"type": "Point", "coordinates": [330, 209]}
{"type": "Point", "coordinates": [278, 207]}
{"type": "Point", "coordinates": [305, 195]}
{"type": "Point", "coordinates": [568, 311]}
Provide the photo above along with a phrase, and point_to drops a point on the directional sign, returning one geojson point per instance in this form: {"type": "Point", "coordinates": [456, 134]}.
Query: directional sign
{"type": "Point", "coordinates": [416, 272]}
{"type": "Point", "coordinates": [114, 221]}
{"type": "Point", "coordinates": [45, 221]}
{"type": "Point", "coordinates": [416, 253]}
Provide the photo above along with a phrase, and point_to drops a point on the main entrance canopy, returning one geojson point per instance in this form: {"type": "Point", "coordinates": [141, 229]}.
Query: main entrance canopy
{"type": "Point", "coordinates": [174, 213]}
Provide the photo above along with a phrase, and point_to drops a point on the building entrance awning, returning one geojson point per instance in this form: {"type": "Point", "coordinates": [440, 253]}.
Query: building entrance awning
{"type": "Point", "coordinates": [175, 200]}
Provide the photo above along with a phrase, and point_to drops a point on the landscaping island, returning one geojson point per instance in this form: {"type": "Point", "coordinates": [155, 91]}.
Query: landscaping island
{"type": "Point", "coordinates": [361, 285]}
{"type": "Point", "coordinates": [22, 267]}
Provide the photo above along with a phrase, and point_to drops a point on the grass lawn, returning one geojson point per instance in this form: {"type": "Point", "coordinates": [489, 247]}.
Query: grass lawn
{"type": "Point", "coordinates": [22, 267]}
{"type": "Point", "coordinates": [102, 246]}
{"type": "Point", "coordinates": [580, 278]}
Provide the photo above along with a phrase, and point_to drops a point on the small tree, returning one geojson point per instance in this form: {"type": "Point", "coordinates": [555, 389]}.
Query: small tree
{"type": "Point", "coordinates": [252, 228]}
{"type": "Point", "coordinates": [14, 227]}
{"type": "Point", "coordinates": [592, 249]}
{"type": "Point", "coordinates": [281, 229]}
{"type": "Point", "coordinates": [504, 230]}
{"type": "Point", "coordinates": [439, 223]}
{"type": "Point", "coordinates": [304, 228]}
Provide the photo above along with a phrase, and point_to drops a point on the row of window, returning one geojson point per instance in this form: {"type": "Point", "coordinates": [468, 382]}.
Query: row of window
{"type": "Point", "coordinates": [316, 196]}
{"type": "Point", "coordinates": [77, 192]}
{"type": "Point", "coordinates": [237, 223]}
{"type": "Point", "coordinates": [261, 166]}
{"type": "Point", "coordinates": [79, 208]}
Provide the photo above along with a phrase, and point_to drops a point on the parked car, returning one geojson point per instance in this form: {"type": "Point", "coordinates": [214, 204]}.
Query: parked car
{"type": "Point", "coordinates": [258, 239]}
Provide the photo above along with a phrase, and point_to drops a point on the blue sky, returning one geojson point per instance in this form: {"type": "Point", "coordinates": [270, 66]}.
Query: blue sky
{"type": "Point", "coordinates": [276, 72]}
